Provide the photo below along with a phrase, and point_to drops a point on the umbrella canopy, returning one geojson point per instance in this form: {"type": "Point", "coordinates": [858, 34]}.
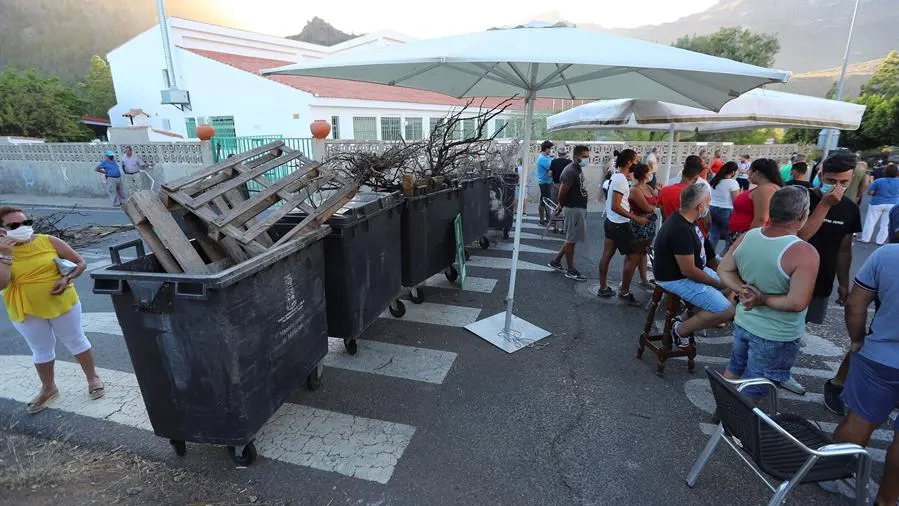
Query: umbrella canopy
{"type": "Point", "coordinates": [558, 62]}
{"type": "Point", "coordinates": [546, 62]}
{"type": "Point", "coordinates": [758, 108]}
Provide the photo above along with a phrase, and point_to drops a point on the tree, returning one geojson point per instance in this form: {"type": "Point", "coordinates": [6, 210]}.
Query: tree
{"type": "Point", "coordinates": [880, 124]}
{"type": "Point", "coordinates": [34, 106]}
{"type": "Point", "coordinates": [885, 80]}
{"type": "Point", "coordinates": [96, 88]}
{"type": "Point", "coordinates": [734, 43]}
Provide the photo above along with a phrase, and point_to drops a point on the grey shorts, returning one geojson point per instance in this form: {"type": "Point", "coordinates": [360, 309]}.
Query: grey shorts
{"type": "Point", "coordinates": [575, 224]}
{"type": "Point", "coordinates": [817, 309]}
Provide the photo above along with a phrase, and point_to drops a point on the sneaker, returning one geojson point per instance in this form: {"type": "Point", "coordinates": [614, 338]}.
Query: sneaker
{"type": "Point", "coordinates": [832, 398]}
{"type": "Point", "coordinates": [629, 299]}
{"type": "Point", "coordinates": [845, 488]}
{"type": "Point", "coordinates": [575, 275]}
{"type": "Point", "coordinates": [682, 342]}
{"type": "Point", "coordinates": [792, 385]}
{"type": "Point", "coordinates": [649, 285]}
{"type": "Point", "coordinates": [556, 266]}
{"type": "Point", "coordinates": [605, 292]}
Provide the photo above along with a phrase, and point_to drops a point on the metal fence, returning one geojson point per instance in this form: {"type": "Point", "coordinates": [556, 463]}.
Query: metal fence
{"type": "Point", "coordinates": [223, 147]}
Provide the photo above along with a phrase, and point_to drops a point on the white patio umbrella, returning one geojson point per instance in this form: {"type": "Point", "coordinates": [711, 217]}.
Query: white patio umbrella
{"type": "Point", "coordinates": [545, 62]}
{"type": "Point", "coordinates": [758, 108]}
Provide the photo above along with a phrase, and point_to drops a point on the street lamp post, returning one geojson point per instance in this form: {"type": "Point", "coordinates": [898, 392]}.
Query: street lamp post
{"type": "Point", "coordinates": [833, 135]}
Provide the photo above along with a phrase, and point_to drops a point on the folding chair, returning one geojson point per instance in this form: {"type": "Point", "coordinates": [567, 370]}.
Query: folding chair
{"type": "Point", "coordinates": [784, 446]}
{"type": "Point", "coordinates": [553, 221]}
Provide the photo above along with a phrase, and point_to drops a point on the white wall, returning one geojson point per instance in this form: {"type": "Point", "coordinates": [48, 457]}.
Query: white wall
{"type": "Point", "coordinates": [259, 106]}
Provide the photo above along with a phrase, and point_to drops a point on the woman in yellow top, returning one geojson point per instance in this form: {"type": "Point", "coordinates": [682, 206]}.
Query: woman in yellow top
{"type": "Point", "coordinates": [42, 303]}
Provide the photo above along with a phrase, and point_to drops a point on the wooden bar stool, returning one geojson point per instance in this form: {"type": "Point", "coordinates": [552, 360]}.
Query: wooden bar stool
{"type": "Point", "coordinates": [662, 344]}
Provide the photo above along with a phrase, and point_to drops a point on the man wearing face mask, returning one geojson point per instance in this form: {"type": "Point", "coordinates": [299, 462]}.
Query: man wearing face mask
{"type": "Point", "coordinates": [685, 266]}
{"type": "Point", "coordinates": [573, 207]}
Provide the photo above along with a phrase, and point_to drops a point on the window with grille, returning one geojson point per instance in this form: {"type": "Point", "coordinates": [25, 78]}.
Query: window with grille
{"type": "Point", "coordinates": [414, 129]}
{"type": "Point", "coordinates": [191, 125]}
{"type": "Point", "coordinates": [391, 128]}
{"type": "Point", "coordinates": [499, 125]}
{"type": "Point", "coordinates": [469, 128]}
{"type": "Point", "coordinates": [335, 127]}
{"type": "Point", "coordinates": [436, 126]}
{"type": "Point", "coordinates": [224, 126]}
{"type": "Point", "coordinates": [365, 128]}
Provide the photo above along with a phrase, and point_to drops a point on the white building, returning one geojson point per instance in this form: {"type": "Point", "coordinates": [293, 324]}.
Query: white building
{"type": "Point", "coordinates": [220, 68]}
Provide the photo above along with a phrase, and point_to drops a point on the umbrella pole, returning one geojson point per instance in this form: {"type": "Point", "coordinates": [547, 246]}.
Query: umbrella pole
{"type": "Point", "coordinates": [670, 153]}
{"type": "Point", "coordinates": [522, 196]}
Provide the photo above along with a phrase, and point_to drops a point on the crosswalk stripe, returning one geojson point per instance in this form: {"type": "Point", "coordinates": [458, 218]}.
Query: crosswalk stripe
{"type": "Point", "coordinates": [353, 446]}
{"type": "Point", "coordinates": [540, 236]}
{"type": "Point", "coordinates": [472, 283]}
{"type": "Point", "coordinates": [386, 359]}
{"type": "Point", "coordinates": [524, 248]}
{"type": "Point", "coordinates": [797, 371]}
{"type": "Point", "coordinates": [811, 345]}
{"type": "Point", "coordinates": [395, 360]}
{"type": "Point", "coordinates": [505, 263]}
{"type": "Point", "coordinates": [878, 435]}
{"type": "Point", "coordinates": [437, 314]}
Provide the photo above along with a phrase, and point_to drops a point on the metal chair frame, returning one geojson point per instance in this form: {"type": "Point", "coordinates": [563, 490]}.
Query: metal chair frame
{"type": "Point", "coordinates": [814, 455]}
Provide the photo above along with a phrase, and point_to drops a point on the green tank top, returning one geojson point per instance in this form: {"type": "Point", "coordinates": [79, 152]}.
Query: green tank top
{"type": "Point", "coordinates": [758, 259]}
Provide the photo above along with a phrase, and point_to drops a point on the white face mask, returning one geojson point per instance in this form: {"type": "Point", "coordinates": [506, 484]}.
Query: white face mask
{"type": "Point", "coordinates": [21, 234]}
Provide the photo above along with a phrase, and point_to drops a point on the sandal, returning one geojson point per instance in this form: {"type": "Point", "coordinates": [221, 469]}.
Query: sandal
{"type": "Point", "coordinates": [37, 404]}
{"type": "Point", "coordinates": [96, 392]}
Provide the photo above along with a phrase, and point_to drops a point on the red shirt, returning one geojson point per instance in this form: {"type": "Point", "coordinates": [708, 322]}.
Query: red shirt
{"type": "Point", "coordinates": [717, 163]}
{"type": "Point", "coordinates": [744, 213]}
{"type": "Point", "coordinates": [669, 199]}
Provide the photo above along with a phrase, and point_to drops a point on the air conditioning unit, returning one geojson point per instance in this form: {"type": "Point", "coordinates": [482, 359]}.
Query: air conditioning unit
{"type": "Point", "coordinates": [176, 97]}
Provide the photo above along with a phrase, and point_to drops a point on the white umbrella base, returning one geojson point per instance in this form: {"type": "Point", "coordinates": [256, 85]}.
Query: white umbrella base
{"type": "Point", "coordinates": [521, 332]}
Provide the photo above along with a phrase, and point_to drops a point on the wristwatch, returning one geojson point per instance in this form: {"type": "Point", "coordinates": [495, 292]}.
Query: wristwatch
{"type": "Point", "coordinates": [7, 259]}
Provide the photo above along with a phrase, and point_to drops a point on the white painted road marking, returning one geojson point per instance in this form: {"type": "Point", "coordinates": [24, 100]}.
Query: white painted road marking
{"type": "Point", "coordinates": [797, 371]}
{"type": "Point", "coordinates": [811, 345]}
{"type": "Point", "coordinates": [350, 445]}
{"type": "Point", "coordinates": [524, 248]}
{"type": "Point", "coordinates": [437, 314]}
{"type": "Point", "coordinates": [395, 360]}
{"type": "Point", "coordinates": [472, 283]}
{"type": "Point", "coordinates": [504, 263]}
{"type": "Point", "coordinates": [549, 236]}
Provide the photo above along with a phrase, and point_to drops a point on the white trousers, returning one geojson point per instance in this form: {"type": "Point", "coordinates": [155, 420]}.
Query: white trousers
{"type": "Point", "coordinates": [877, 214]}
{"type": "Point", "coordinates": [41, 335]}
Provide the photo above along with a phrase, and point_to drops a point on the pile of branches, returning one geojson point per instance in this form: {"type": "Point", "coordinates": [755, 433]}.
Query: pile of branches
{"type": "Point", "coordinates": [432, 163]}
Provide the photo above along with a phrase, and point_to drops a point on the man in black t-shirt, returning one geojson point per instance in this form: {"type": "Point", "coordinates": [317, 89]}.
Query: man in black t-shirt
{"type": "Point", "coordinates": [572, 206]}
{"type": "Point", "coordinates": [799, 175]}
{"type": "Point", "coordinates": [833, 218]}
{"type": "Point", "coordinates": [685, 266]}
{"type": "Point", "coordinates": [555, 168]}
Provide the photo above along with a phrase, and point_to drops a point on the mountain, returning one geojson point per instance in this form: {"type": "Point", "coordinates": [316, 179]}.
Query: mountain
{"type": "Point", "coordinates": [812, 33]}
{"type": "Point", "coordinates": [318, 31]}
{"type": "Point", "coordinates": [60, 36]}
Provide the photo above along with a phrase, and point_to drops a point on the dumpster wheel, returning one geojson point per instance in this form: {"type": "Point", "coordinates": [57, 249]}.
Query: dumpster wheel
{"type": "Point", "coordinates": [416, 295]}
{"type": "Point", "coordinates": [397, 308]}
{"type": "Point", "coordinates": [484, 242]}
{"type": "Point", "coordinates": [246, 456]}
{"type": "Point", "coordinates": [451, 274]}
{"type": "Point", "coordinates": [351, 346]}
{"type": "Point", "coordinates": [314, 380]}
{"type": "Point", "coordinates": [179, 446]}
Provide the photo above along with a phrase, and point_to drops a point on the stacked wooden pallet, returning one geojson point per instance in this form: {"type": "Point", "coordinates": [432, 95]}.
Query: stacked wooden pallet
{"type": "Point", "coordinates": [230, 223]}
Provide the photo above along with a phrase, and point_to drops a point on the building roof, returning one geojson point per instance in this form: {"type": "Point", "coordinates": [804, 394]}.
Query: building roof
{"type": "Point", "coordinates": [339, 88]}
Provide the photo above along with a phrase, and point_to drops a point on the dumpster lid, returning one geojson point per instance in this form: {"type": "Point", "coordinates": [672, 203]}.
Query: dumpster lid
{"type": "Point", "coordinates": [366, 203]}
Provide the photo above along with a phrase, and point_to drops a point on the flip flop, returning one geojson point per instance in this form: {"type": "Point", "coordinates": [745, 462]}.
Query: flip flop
{"type": "Point", "coordinates": [34, 407]}
{"type": "Point", "coordinates": [96, 392]}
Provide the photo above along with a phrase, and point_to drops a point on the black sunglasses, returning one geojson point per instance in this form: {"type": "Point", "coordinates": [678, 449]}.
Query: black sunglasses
{"type": "Point", "coordinates": [13, 226]}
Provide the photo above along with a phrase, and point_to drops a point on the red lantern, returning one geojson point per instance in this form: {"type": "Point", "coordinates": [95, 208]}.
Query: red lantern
{"type": "Point", "coordinates": [205, 132]}
{"type": "Point", "coordinates": [320, 129]}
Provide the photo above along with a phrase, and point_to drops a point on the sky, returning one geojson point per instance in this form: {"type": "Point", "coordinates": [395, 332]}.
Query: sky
{"type": "Point", "coordinates": [425, 19]}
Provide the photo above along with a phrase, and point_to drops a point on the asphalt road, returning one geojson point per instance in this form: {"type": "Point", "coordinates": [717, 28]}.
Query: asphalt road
{"type": "Point", "coordinates": [574, 419]}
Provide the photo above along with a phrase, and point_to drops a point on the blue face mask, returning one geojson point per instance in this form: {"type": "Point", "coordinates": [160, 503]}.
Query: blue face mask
{"type": "Point", "coordinates": [582, 163]}
{"type": "Point", "coordinates": [826, 187]}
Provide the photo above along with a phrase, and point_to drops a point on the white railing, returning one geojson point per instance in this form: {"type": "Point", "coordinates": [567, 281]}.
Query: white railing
{"type": "Point", "coordinates": [182, 153]}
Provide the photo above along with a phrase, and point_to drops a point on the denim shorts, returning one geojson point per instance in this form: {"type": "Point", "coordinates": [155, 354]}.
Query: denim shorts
{"type": "Point", "coordinates": [705, 297]}
{"type": "Point", "coordinates": [871, 390]}
{"type": "Point", "coordinates": [755, 357]}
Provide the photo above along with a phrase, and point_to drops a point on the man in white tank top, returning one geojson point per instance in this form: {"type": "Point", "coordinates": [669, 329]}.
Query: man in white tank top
{"type": "Point", "coordinates": [774, 272]}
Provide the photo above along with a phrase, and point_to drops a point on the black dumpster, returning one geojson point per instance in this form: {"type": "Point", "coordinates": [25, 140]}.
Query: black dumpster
{"type": "Point", "coordinates": [475, 211]}
{"type": "Point", "coordinates": [501, 198]}
{"type": "Point", "coordinates": [428, 237]}
{"type": "Point", "coordinates": [362, 263]}
{"type": "Point", "coordinates": [216, 355]}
